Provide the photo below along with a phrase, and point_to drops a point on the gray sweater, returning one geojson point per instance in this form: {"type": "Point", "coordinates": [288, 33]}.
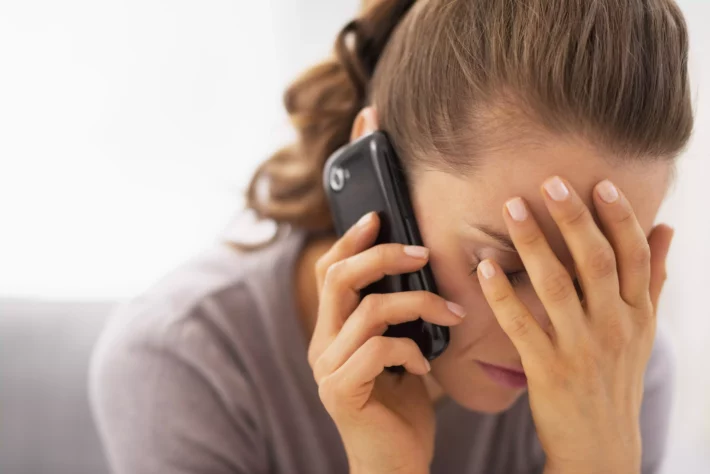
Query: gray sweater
{"type": "Point", "coordinates": [206, 372]}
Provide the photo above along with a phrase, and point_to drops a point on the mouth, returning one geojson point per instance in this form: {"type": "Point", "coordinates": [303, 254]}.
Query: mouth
{"type": "Point", "coordinates": [505, 376]}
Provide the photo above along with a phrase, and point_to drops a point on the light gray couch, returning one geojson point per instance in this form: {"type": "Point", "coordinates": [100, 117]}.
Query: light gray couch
{"type": "Point", "coordinates": [45, 422]}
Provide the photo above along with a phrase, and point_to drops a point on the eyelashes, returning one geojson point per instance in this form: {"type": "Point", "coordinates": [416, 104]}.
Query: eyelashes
{"type": "Point", "coordinates": [515, 278]}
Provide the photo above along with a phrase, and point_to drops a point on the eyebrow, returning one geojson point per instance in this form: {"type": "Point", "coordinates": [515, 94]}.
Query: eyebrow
{"type": "Point", "coordinates": [505, 241]}
{"type": "Point", "coordinates": [502, 239]}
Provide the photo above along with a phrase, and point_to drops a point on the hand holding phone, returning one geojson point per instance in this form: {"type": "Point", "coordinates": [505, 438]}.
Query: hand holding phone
{"type": "Point", "coordinates": [366, 176]}
{"type": "Point", "coordinates": [385, 424]}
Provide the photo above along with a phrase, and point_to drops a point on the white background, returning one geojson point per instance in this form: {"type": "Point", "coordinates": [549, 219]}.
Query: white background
{"type": "Point", "coordinates": [128, 130]}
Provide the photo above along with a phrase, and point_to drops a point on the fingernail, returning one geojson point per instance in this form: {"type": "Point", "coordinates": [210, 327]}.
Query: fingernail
{"type": "Point", "coordinates": [556, 189]}
{"type": "Point", "coordinates": [517, 210]}
{"type": "Point", "coordinates": [456, 309]}
{"type": "Point", "coordinates": [607, 191]}
{"type": "Point", "coordinates": [364, 220]}
{"type": "Point", "coordinates": [427, 365]}
{"type": "Point", "coordinates": [487, 269]}
{"type": "Point", "coordinates": [416, 251]}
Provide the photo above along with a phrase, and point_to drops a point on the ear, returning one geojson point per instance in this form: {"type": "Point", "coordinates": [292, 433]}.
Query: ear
{"type": "Point", "coordinates": [365, 122]}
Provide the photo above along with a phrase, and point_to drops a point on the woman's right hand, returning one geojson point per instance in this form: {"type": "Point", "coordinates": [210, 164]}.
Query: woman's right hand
{"type": "Point", "coordinates": [386, 420]}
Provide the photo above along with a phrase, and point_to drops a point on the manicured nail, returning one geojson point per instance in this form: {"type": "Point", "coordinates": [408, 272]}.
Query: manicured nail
{"type": "Point", "coordinates": [516, 208]}
{"type": "Point", "coordinates": [416, 251]}
{"type": "Point", "coordinates": [556, 189]}
{"type": "Point", "coordinates": [487, 269]}
{"type": "Point", "coordinates": [364, 220]}
{"type": "Point", "coordinates": [456, 309]}
{"type": "Point", "coordinates": [607, 191]}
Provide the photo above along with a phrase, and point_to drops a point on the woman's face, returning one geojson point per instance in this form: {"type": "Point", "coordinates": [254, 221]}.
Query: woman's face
{"type": "Point", "coordinates": [456, 216]}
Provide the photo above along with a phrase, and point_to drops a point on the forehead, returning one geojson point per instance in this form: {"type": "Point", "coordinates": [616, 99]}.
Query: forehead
{"type": "Point", "coordinates": [501, 175]}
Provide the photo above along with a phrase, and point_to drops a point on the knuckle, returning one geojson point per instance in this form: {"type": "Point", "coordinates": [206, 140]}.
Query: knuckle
{"type": "Point", "coordinates": [373, 303]}
{"type": "Point", "coordinates": [602, 262]}
{"type": "Point", "coordinates": [640, 255]}
{"type": "Point", "coordinates": [577, 216]}
{"type": "Point", "coordinates": [321, 266]}
{"type": "Point", "coordinates": [328, 391]}
{"type": "Point", "coordinates": [402, 350]}
{"type": "Point", "coordinates": [376, 345]}
{"type": "Point", "coordinates": [500, 295]}
{"type": "Point", "coordinates": [427, 299]}
{"type": "Point", "coordinates": [313, 355]}
{"type": "Point", "coordinates": [647, 323]}
{"type": "Point", "coordinates": [530, 238]}
{"type": "Point", "coordinates": [519, 324]}
{"type": "Point", "coordinates": [617, 334]}
{"type": "Point", "coordinates": [589, 362]}
{"type": "Point", "coordinates": [625, 216]}
{"type": "Point", "coordinates": [318, 368]}
{"type": "Point", "coordinates": [557, 286]}
{"type": "Point", "coordinates": [408, 344]}
{"type": "Point", "coordinates": [382, 253]}
{"type": "Point", "coordinates": [334, 272]}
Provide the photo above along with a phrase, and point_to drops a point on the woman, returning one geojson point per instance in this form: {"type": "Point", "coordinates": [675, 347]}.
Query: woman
{"type": "Point", "coordinates": [539, 138]}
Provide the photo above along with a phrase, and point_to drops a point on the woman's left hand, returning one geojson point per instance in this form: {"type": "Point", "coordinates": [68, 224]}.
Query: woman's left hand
{"type": "Point", "coordinates": [585, 378]}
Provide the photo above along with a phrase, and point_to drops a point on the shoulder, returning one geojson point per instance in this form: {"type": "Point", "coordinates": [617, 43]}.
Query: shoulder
{"type": "Point", "coordinates": [216, 304]}
{"type": "Point", "coordinates": [212, 300]}
{"type": "Point", "coordinates": [168, 314]}
{"type": "Point", "coordinates": [178, 325]}
{"type": "Point", "coordinates": [189, 355]}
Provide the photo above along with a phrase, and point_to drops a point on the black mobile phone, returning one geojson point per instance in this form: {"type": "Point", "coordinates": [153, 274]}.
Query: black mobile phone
{"type": "Point", "coordinates": [365, 176]}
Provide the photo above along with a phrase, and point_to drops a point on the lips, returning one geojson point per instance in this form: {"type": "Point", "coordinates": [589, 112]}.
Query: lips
{"type": "Point", "coordinates": [504, 376]}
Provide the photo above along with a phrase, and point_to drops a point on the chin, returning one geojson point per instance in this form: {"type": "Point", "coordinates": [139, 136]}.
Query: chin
{"type": "Point", "coordinates": [486, 398]}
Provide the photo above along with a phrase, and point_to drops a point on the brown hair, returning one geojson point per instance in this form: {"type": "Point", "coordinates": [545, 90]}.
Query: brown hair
{"type": "Point", "coordinates": [452, 79]}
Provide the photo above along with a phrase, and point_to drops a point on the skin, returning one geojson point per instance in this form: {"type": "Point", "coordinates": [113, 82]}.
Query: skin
{"type": "Point", "coordinates": [510, 327]}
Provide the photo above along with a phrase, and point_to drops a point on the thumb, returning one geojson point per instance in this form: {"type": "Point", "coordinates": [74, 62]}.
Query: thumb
{"type": "Point", "coordinates": [659, 241]}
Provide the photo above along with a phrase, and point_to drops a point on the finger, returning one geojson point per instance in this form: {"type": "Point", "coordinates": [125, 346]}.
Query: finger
{"type": "Point", "coordinates": [347, 384]}
{"type": "Point", "coordinates": [549, 277]}
{"type": "Point", "coordinates": [356, 239]}
{"type": "Point", "coordinates": [592, 253]}
{"type": "Point", "coordinates": [378, 311]}
{"type": "Point", "coordinates": [628, 240]}
{"type": "Point", "coordinates": [659, 242]}
{"type": "Point", "coordinates": [513, 316]}
{"type": "Point", "coordinates": [347, 277]}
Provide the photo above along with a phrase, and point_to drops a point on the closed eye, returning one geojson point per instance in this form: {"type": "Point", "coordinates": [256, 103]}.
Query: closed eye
{"type": "Point", "coordinates": [519, 277]}
{"type": "Point", "coordinates": [515, 278]}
